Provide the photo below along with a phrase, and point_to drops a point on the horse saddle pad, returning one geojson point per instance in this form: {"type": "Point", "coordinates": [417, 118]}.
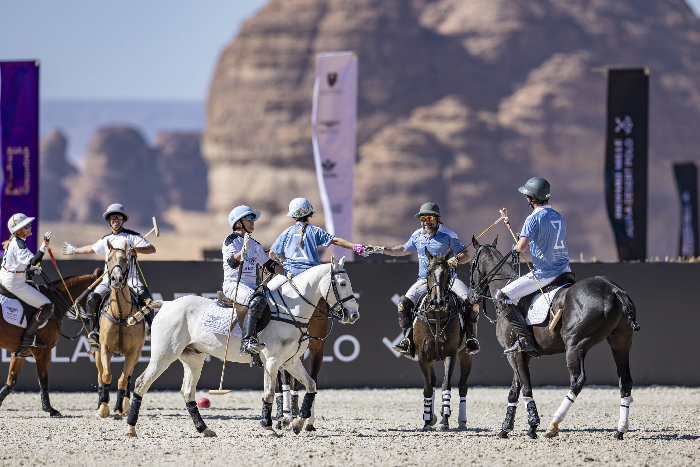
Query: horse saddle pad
{"type": "Point", "coordinates": [221, 309]}
{"type": "Point", "coordinates": [16, 312]}
{"type": "Point", "coordinates": [537, 306]}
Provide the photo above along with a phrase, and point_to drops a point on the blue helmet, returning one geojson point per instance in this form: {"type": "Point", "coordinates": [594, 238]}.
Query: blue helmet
{"type": "Point", "coordinates": [239, 212]}
{"type": "Point", "coordinates": [300, 207]}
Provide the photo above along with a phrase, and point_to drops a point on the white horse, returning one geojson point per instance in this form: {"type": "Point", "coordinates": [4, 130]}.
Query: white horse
{"type": "Point", "coordinates": [177, 334]}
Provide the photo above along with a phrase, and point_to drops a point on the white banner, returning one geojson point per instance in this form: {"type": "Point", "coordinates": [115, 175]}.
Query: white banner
{"type": "Point", "coordinates": [333, 121]}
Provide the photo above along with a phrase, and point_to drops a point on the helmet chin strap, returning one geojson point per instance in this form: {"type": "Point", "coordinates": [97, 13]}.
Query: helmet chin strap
{"type": "Point", "coordinates": [531, 202]}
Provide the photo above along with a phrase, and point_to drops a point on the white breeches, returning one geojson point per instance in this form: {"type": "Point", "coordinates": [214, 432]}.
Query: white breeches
{"type": "Point", "coordinates": [135, 285]}
{"type": "Point", "coordinates": [15, 284]}
{"type": "Point", "coordinates": [419, 288]}
{"type": "Point", "coordinates": [276, 282]}
{"type": "Point", "coordinates": [244, 292]}
{"type": "Point", "coordinates": [525, 285]}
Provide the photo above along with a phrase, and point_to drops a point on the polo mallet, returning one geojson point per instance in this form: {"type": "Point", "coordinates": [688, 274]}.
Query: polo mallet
{"type": "Point", "coordinates": [157, 231]}
{"type": "Point", "coordinates": [489, 228]}
{"type": "Point", "coordinates": [230, 327]}
{"type": "Point", "coordinates": [556, 317]}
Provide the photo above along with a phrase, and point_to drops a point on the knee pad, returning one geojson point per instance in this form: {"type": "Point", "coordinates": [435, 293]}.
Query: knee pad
{"type": "Point", "coordinates": [93, 301]}
{"type": "Point", "coordinates": [501, 300]}
{"type": "Point", "coordinates": [257, 305]}
{"type": "Point", "coordinates": [405, 308]}
{"type": "Point", "coordinates": [45, 312]}
{"type": "Point", "coordinates": [145, 296]}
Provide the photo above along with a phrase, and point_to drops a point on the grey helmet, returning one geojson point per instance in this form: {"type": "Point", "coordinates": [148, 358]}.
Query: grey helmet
{"type": "Point", "coordinates": [536, 187]}
{"type": "Point", "coordinates": [115, 208]}
{"type": "Point", "coordinates": [429, 209]}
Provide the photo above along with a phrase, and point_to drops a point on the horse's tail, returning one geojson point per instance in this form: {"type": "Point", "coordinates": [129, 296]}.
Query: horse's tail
{"type": "Point", "coordinates": [627, 306]}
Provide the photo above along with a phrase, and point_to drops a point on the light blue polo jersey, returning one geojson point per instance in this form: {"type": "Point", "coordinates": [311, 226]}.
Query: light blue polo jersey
{"type": "Point", "coordinates": [299, 259]}
{"type": "Point", "coordinates": [546, 229]}
{"type": "Point", "coordinates": [438, 243]}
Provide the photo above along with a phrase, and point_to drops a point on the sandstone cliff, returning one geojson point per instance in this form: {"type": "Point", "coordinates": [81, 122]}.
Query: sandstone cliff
{"type": "Point", "coordinates": [55, 176]}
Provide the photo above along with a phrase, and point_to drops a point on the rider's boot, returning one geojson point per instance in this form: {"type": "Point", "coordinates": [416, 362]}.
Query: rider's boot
{"type": "Point", "coordinates": [249, 343]}
{"type": "Point", "coordinates": [525, 341]}
{"type": "Point", "coordinates": [93, 303]}
{"type": "Point", "coordinates": [405, 308]}
{"type": "Point", "coordinates": [472, 317]}
{"type": "Point", "coordinates": [41, 315]}
{"type": "Point", "coordinates": [145, 300]}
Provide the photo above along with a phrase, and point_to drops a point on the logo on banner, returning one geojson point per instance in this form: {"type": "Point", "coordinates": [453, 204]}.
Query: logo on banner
{"type": "Point", "coordinates": [332, 78]}
{"type": "Point", "coordinates": [625, 124]}
{"type": "Point", "coordinates": [18, 171]}
{"type": "Point", "coordinates": [329, 126]}
{"type": "Point", "coordinates": [328, 166]}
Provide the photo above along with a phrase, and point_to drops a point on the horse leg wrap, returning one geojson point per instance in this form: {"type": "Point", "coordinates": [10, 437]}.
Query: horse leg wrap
{"type": "Point", "coordinates": [104, 395]}
{"type": "Point", "coordinates": [509, 421]}
{"type": "Point", "coordinates": [295, 403]}
{"type": "Point", "coordinates": [45, 402]}
{"type": "Point", "coordinates": [4, 392]}
{"type": "Point", "coordinates": [446, 399]}
{"type": "Point", "coordinates": [119, 404]}
{"type": "Point", "coordinates": [624, 423]}
{"type": "Point", "coordinates": [287, 401]}
{"type": "Point", "coordinates": [134, 411]}
{"type": "Point", "coordinates": [427, 408]}
{"type": "Point", "coordinates": [305, 411]}
{"type": "Point", "coordinates": [196, 417]}
{"type": "Point", "coordinates": [462, 417]}
{"type": "Point", "coordinates": [564, 407]}
{"type": "Point", "coordinates": [533, 418]}
{"type": "Point", "coordinates": [280, 406]}
{"type": "Point", "coordinates": [99, 395]}
{"type": "Point", "coordinates": [266, 420]}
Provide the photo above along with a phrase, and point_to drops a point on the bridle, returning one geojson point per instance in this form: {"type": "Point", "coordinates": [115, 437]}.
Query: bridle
{"type": "Point", "coordinates": [125, 272]}
{"type": "Point", "coordinates": [428, 304]}
{"type": "Point", "coordinates": [479, 290]}
{"type": "Point", "coordinates": [330, 311]}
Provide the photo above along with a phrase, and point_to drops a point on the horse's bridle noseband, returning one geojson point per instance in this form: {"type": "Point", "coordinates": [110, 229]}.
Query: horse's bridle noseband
{"type": "Point", "coordinates": [125, 273]}
{"type": "Point", "coordinates": [330, 311]}
{"type": "Point", "coordinates": [480, 290]}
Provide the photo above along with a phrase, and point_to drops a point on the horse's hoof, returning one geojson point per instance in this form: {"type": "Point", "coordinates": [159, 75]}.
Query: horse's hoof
{"type": "Point", "coordinates": [503, 434]}
{"type": "Point", "coordinates": [433, 420]}
{"type": "Point", "coordinates": [208, 433]}
{"type": "Point", "coordinates": [442, 427]}
{"type": "Point", "coordinates": [118, 415]}
{"type": "Point", "coordinates": [428, 427]}
{"type": "Point", "coordinates": [286, 421]}
{"type": "Point", "coordinates": [103, 412]}
{"type": "Point", "coordinates": [551, 434]}
{"type": "Point", "coordinates": [618, 435]}
{"type": "Point", "coordinates": [462, 426]}
{"type": "Point", "coordinates": [54, 413]}
{"type": "Point", "coordinates": [278, 424]}
{"type": "Point", "coordinates": [532, 433]}
{"type": "Point", "coordinates": [297, 425]}
{"type": "Point", "coordinates": [308, 427]}
{"type": "Point", "coordinates": [131, 432]}
{"type": "Point", "coordinates": [270, 432]}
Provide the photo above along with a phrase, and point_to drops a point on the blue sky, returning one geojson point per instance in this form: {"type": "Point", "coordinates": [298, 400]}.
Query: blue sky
{"type": "Point", "coordinates": [125, 49]}
{"type": "Point", "coordinates": [122, 49]}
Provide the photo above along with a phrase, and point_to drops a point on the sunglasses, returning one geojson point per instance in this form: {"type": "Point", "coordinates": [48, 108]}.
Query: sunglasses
{"type": "Point", "coordinates": [115, 217]}
{"type": "Point", "coordinates": [249, 217]}
{"type": "Point", "coordinates": [427, 218]}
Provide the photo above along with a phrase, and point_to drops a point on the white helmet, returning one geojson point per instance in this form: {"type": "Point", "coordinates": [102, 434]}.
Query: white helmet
{"type": "Point", "coordinates": [239, 212]}
{"type": "Point", "coordinates": [18, 221]}
{"type": "Point", "coordinates": [115, 208]}
{"type": "Point", "coordinates": [300, 207]}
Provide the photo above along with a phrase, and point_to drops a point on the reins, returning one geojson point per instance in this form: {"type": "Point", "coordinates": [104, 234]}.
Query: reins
{"type": "Point", "coordinates": [480, 291]}
{"type": "Point", "coordinates": [425, 308]}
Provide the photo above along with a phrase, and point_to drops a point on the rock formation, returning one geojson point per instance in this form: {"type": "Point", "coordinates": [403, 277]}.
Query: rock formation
{"type": "Point", "coordinates": [459, 103]}
{"type": "Point", "coordinates": [184, 173]}
{"type": "Point", "coordinates": [55, 175]}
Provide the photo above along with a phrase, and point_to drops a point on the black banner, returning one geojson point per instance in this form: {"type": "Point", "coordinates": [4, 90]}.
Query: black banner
{"type": "Point", "coordinates": [626, 161]}
{"type": "Point", "coordinates": [687, 182]}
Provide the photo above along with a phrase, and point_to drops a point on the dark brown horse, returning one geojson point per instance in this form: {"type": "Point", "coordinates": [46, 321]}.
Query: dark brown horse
{"type": "Point", "coordinates": [438, 336]}
{"type": "Point", "coordinates": [594, 309]}
{"type": "Point", "coordinates": [11, 336]}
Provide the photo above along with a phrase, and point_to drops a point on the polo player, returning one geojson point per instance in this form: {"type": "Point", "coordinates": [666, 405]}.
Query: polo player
{"type": "Point", "coordinates": [116, 216]}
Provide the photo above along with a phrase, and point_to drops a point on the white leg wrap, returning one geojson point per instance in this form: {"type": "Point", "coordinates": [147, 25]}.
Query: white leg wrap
{"type": "Point", "coordinates": [564, 407]}
{"type": "Point", "coordinates": [624, 422]}
{"type": "Point", "coordinates": [512, 404]}
{"type": "Point", "coordinates": [427, 408]}
{"type": "Point", "coordinates": [435, 391]}
{"type": "Point", "coordinates": [446, 399]}
{"type": "Point", "coordinates": [311, 419]}
{"type": "Point", "coordinates": [526, 400]}
{"type": "Point", "coordinates": [286, 401]}
{"type": "Point", "coordinates": [462, 410]}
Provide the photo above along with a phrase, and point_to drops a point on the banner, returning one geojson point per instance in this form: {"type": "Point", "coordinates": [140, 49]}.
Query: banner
{"type": "Point", "coordinates": [19, 140]}
{"type": "Point", "coordinates": [626, 162]}
{"type": "Point", "coordinates": [333, 121]}
{"type": "Point", "coordinates": [687, 182]}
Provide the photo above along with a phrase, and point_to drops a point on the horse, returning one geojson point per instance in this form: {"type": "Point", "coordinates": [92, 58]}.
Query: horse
{"type": "Point", "coordinates": [438, 336]}
{"type": "Point", "coordinates": [177, 334]}
{"type": "Point", "coordinates": [593, 309]}
{"type": "Point", "coordinates": [118, 334]}
{"type": "Point", "coordinates": [11, 335]}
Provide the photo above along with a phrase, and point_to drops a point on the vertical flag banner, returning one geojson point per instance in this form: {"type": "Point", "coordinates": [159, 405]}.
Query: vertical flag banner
{"type": "Point", "coordinates": [626, 160]}
{"type": "Point", "coordinates": [333, 121]}
{"type": "Point", "coordinates": [687, 183]}
{"type": "Point", "coordinates": [19, 140]}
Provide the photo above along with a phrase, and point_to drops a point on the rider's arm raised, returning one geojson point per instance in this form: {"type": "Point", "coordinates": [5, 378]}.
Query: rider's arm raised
{"type": "Point", "coordinates": [398, 250]}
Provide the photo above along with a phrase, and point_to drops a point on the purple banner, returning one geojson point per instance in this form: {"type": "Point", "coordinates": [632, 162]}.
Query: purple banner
{"type": "Point", "coordinates": [19, 140]}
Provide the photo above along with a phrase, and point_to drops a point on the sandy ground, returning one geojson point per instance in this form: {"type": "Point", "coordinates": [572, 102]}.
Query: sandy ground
{"type": "Point", "coordinates": [360, 427]}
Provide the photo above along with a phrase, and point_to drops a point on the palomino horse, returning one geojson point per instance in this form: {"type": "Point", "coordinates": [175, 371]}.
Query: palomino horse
{"type": "Point", "coordinates": [11, 336]}
{"type": "Point", "coordinates": [594, 309]}
{"type": "Point", "coordinates": [117, 335]}
{"type": "Point", "coordinates": [177, 334]}
{"type": "Point", "coordinates": [437, 335]}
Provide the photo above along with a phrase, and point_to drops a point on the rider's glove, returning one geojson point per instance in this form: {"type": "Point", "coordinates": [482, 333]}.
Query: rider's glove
{"type": "Point", "coordinates": [35, 269]}
{"type": "Point", "coordinates": [68, 249]}
{"type": "Point", "coordinates": [47, 237]}
{"type": "Point", "coordinates": [376, 249]}
{"type": "Point", "coordinates": [516, 252]}
{"type": "Point", "coordinates": [132, 252]}
{"type": "Point", "coordinates": [360, 249]}
{"type": "Point", "coordinates": [453, 262]}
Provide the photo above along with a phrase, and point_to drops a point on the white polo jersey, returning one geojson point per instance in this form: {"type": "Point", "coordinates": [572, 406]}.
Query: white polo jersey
{"type": "Point", "coordinates": [17, 256]}
{"type": "Point", "coordinates": [124, 239]}
{"type": "Point", "coordinates": [254, 255]}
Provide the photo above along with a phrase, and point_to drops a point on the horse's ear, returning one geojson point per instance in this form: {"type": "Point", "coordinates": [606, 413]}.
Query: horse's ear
{"type": "Point", "coordinates": [427, 253]}
{"type": "Point", "coordinates": [334, 263]}
{"type": "Point", "coordinates": [109, 245]}
{"type": "Point", "coordinates": [495, 241]}
{"type": "Point", "coordinates": [475, 243]}
{"type": "Point", "coordinates": [449, 252]}
{"type": "Point", "coordinates": [341, 263]}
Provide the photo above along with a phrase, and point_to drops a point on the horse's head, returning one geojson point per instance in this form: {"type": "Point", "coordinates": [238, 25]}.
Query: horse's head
{"type": "Point", "coordinates": [340, 297]}
{"type": "Point", "coordinates": [438, 278]}
{"type": "Point", "coordinates": [117, 266]}
{"type": "Point", "coordinates": [488, 270]}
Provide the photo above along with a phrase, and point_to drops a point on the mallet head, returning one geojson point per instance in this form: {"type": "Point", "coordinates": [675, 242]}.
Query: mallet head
{"type": "Point", "coordinates": [155, 227]}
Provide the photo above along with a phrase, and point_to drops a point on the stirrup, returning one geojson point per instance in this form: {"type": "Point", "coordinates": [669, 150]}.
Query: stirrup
{"type": "Point", "coordinates": [473, 346]}
{"type": "Point", "coordinates": [93, 340]}
{"type": "Point", "coordinates": [404, 348]}
{"type": "Point", "coordinates": [251, 346]}
{"type": "Point", "coordinates": [520, 345]}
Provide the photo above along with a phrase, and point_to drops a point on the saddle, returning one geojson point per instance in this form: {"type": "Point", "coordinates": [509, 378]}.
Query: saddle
{"type": "Point", "coordinates": [567, 279]}
{"type": "Point", "coordinates": [225, 302]}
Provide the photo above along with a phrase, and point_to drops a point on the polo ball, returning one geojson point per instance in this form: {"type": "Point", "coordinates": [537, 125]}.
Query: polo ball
{"type": "Point", "coordinates": [203, 403]}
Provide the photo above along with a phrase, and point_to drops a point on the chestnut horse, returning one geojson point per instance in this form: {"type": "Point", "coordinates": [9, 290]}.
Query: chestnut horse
{"type": "Point", "coordinates": [11, 336]}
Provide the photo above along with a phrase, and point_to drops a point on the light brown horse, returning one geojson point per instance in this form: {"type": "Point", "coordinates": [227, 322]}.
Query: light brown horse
{"type": "Point", "coordinates": [116, 335]}
{"type": "Point", "coordinates": [11, 336]}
